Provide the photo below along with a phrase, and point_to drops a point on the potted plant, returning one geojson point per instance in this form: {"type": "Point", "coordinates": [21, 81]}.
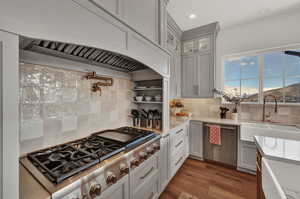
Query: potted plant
{"type": "Point", "coordinates": [232, 98]}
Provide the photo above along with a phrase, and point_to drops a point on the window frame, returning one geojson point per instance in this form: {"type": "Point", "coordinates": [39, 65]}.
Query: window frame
{"type": "Point", "coordinates": [258, 53]}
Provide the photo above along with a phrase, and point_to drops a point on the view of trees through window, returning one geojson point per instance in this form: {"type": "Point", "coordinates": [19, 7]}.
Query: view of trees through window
{"type": "Point", "coordinates": [275, 73]}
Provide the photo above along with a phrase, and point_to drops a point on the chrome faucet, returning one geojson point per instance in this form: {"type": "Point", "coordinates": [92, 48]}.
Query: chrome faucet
{"type": "Point", "coordinates": [264, 106]}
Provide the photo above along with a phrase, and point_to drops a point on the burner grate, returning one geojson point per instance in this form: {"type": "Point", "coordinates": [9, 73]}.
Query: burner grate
{"type": "Point", "coordinates": [60, 162]}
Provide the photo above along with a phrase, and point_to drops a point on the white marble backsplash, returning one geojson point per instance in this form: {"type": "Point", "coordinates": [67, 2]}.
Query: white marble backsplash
{"type": "Point", "coordinates": [57, 106]}
{"type": "Point", "coordinates": [289, 114]}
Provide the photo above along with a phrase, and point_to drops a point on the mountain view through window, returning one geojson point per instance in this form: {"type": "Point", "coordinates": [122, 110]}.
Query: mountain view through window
{"type": "Point", "coordinates": [275, 73]}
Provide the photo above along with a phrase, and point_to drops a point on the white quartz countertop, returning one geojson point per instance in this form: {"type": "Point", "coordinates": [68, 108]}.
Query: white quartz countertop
{"type": "Point", "coordinates": [217, 120]}
{"type": "Point", "coordinates": [176, 121]}
{"type": "Point", "coordinates": [279, 149]}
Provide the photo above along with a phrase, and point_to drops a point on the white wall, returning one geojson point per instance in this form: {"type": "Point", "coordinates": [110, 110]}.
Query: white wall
{"type": "Point", "coordinates": [266, 33]}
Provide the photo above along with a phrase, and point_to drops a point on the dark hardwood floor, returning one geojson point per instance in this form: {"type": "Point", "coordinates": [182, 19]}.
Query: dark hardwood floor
{"type": "Point", "coordinates": [207, 181]}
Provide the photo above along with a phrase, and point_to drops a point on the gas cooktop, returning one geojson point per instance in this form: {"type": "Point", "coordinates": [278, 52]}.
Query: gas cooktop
{"type": "Point", "coordinates": [60, 162]}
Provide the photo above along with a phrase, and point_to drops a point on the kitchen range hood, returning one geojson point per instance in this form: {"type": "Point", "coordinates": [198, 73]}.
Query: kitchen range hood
{"type": "Point", "coordinates": [84, 54]}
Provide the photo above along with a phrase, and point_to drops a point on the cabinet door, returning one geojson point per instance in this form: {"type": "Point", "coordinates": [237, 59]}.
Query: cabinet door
{"type": "Point", "coordinates": [178, 74]}
{"type": "Point", "coordinates": [190, 88]}
{"type": "Point", "coordinates": [118, 191]}
{"type": "Point", "coordinates": [196, 139]}
{"type": "Point", "coordinates": [205, 75]}
{"type": "Point", "coordinates": [173, 83]}
{"type": "Point", "coordinates": [113, 6]}
{"type": "Point", "coordinates": [247, 155]}
{"type": "Point", "coordinates": [187, 141]}
{"type": "Point", "coordinates": [142, 15]}
{"type": "Point", "coordinates": [164, 161]}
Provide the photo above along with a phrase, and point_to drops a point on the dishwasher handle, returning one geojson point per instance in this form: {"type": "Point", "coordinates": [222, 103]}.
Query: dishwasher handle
{"type": "Point", "coordinates": [221, 126]}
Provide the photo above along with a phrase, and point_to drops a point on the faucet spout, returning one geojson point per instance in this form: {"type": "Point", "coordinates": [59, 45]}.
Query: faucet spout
{"type": "Point", "coordinates": [264, 106]}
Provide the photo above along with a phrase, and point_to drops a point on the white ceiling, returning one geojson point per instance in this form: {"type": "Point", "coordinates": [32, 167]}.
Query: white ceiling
{"type": "Point", "coordinates": [227, 12]}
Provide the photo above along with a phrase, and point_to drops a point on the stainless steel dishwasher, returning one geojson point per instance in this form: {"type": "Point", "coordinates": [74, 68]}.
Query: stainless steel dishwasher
{"type": "Point", "coordinates": [226, 153]}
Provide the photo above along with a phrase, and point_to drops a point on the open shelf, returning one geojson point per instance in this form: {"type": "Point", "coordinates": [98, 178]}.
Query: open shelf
{"type": "Point", "coordinates": [144, 102]}
{"type": "Point", "coordinates": [147, 89]}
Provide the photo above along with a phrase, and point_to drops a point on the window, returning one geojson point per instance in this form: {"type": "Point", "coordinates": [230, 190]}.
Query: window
{"type": "Point", "coordinates": [274, 73]}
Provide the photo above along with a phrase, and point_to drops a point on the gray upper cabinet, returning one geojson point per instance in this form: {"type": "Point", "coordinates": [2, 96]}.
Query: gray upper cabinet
{"type": "Point", "coordinates": [173, 45]}
{"type": "Point", "coordinates": [142, 15]}
{"type": "Point", "coordinates": [195, 83]}
{"type": "Point", "coordinates": [198, 61]}
{"type": "Point", "coordinates": [189, 76]}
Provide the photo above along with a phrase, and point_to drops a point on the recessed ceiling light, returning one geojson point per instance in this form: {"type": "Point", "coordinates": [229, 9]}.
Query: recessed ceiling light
{"type": "Point", "coordinates": [192, 16]}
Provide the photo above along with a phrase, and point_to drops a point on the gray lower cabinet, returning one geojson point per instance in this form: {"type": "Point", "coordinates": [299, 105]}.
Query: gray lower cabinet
{"type": "Point", "coordinates": [119, 191]}
{"type": "Point", "coordinates": [246, 156]}
{"type": "Point", "coordinates": [196, 139]}
{"type": "Point", "coordinates": [164, 161]}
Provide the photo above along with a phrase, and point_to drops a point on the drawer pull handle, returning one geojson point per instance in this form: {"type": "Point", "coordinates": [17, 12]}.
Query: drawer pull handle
{"type": "Point", "coordinates": [222, 127]}
{"type": "Point", "coordinates": [144, 176]}
{"type": "Point", "coordinates": [177, 145]}
{"type": "Point", "coordinates": [179, 131]}
{"type": "Point", "coordinates": [178, 161]}
{"type": "Point", "coordinates": [151, 195]}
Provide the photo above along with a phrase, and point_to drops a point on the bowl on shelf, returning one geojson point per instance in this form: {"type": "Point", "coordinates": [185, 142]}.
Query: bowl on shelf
{"type": "Point", "coordinates": [157, 98]}
{"type": "Point", "coordinates": [148, 98]}
{"type": "Point", "coordinates": [139, 98]}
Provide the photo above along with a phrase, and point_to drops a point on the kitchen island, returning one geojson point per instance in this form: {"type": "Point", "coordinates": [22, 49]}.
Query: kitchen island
{"type": "Point", "coordinates": [280, 165]}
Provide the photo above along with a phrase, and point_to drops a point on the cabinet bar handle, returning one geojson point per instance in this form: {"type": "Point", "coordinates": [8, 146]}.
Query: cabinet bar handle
{"type": "Point", "coordinates": [178, 161]}
{"type": "Point", "coordinates": [177, 145]}
{"type": "Point", "coordinates": [144, 176]}
{"type": "Point", "coordinates": [179, 131]}
{"type": "Point", "coordinates": [223, 127]}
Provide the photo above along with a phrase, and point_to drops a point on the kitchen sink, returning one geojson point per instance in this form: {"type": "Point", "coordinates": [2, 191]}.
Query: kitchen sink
{"type": "Point", "coordinates": [280, 180]}
{"type": "Point", "coordinates": [250, 129]}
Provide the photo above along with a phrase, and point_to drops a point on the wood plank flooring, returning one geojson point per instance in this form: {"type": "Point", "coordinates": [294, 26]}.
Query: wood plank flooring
{"type": "Point", "coordinates": [207, 181]}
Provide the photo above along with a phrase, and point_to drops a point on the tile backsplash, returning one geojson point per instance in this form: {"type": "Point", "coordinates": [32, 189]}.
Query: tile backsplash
{"type": "Point", "coordinates": [57, 106]}
{"type": "Point", "coordinates": [289, 114]}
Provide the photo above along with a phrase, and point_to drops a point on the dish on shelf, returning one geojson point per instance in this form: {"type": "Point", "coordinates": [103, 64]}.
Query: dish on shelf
{"type": "Point", "coordinates": [148, 98]}
{"type": "Point", "coordinates": [139, 98]}
{"type": "Point", "coordinates": [157, 98]}
{"type": "Point", "coordinates": [140, 87]}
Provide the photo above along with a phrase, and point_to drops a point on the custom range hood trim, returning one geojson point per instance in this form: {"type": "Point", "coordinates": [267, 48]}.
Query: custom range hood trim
{"type": "Point", "coordinates": [83, 54]}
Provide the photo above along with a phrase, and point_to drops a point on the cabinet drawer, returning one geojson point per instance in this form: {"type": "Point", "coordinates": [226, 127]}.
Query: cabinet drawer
{"type": "Point", "coordinates": [179, 145]}
{"type": "Point", "coordinates": [149, 189]}
{"type": "Point", "coordinates": [177, 138]}
{"type": "Point", "coordinates": [176, 161]}
{"type": "Point", "coordinates": [145, 171]}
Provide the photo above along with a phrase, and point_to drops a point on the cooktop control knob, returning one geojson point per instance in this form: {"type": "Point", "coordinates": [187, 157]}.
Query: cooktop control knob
{"type": "Point", "coordinates": [123, 169]}
{"type": "Point", "coordinates": [150, 150]}
{"type": "Point", "coordinates": [111, 178]}
{"type": "Point", "coordinates": [143, 155]}
{"type": "Point", "coordinates": [134, 162]}
{"type": "Point", "coordinates": [95, 190]}
{"type": "Point", "coordinates": [156, 146]}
